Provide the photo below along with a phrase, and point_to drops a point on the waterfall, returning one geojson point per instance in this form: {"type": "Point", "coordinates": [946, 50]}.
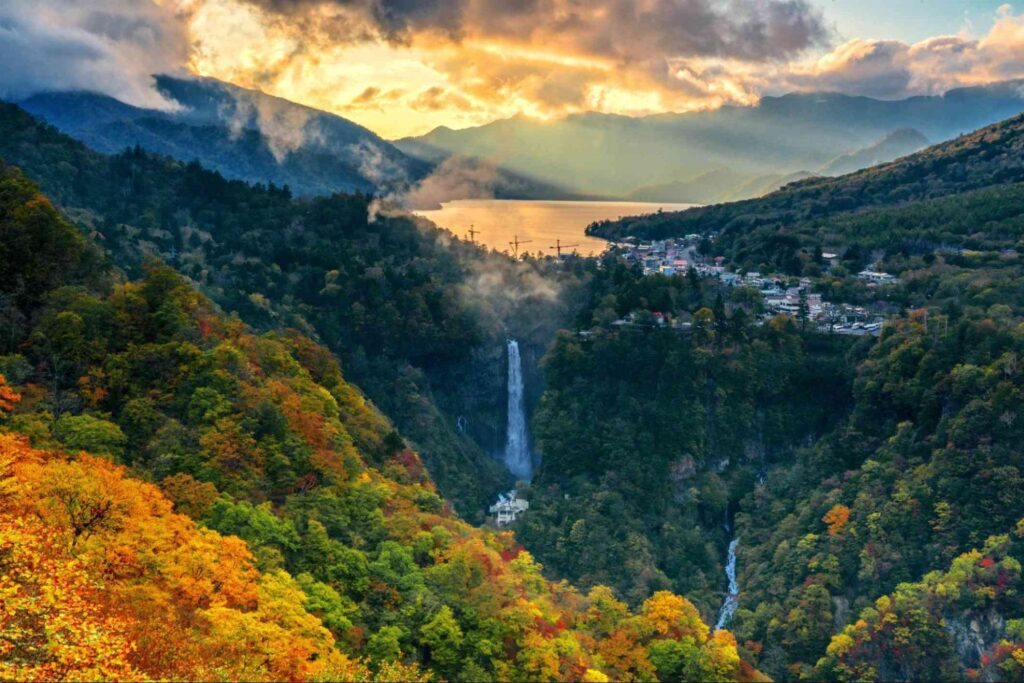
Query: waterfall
{"type": "Point", "coordinates": [517, 448]}
{"type": "Point", "coordinates": [732, 600]}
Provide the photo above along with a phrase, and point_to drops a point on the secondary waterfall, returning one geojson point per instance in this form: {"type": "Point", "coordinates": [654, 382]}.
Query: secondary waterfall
{"type": "Point", "coordinates": [517, 447]}
{"type": "Point", "coordinates": [732, 599]}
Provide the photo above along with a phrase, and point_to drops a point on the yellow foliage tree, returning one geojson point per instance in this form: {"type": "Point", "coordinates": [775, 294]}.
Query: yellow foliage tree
{"type": "Point", "coordinates": [51, 625]}
{"type": "Point", "coordinates": [673, 616]}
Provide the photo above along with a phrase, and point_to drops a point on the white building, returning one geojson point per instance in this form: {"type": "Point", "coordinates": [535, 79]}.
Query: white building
{"type": "Point", "coordinates": [508, 509]}
{"type": "Point", "coordinates": [876, 277]}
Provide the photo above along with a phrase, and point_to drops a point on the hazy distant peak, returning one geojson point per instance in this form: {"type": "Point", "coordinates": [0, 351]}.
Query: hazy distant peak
{"type": "Point", "coordinates": [895, 144]}
{"type": "Point", "coordinates": [825, 131]}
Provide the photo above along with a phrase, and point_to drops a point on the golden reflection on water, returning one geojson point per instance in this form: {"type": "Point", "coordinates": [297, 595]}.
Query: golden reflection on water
{"type": "Point", "coordinates": [537, 223]}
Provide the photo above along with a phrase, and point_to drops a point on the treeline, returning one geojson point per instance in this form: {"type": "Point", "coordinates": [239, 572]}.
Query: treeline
{"type": "Point", "coordinates": [986, 220]}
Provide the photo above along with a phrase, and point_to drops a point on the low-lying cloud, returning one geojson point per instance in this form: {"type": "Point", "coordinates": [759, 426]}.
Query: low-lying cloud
{"type": "Point", "coordinates": [285, 127]}
{"type": "Point", "coordinates": [103, 46]}
{"type": "Point", "coordinates": [454, 178]}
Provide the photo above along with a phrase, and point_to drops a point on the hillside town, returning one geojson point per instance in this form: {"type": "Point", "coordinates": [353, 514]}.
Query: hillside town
{"type": "Point", "coordinates": [780, 294]}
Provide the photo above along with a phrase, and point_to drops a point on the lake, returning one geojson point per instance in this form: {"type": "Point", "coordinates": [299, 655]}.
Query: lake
{"type": "Point", "coordinates": [499, 221]}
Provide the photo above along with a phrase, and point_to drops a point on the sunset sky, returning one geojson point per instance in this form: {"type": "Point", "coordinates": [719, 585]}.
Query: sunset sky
{"type": "Point", "coordinates": [402, 67]}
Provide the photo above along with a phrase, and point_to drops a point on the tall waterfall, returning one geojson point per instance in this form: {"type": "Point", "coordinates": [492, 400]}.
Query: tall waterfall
{"type": "Point", "coordinates": [732, 600]}
{"type": "Point", "coordinates": [517, 447]}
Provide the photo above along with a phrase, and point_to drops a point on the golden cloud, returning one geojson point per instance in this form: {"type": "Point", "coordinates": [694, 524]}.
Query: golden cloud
{"type": "Point", "coordinates": [402, 66]}
{"type": "Point", "coordinates": [465, 62]}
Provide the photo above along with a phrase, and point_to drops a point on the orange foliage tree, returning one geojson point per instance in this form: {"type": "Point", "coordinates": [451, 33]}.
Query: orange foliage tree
{"type": "Point", "coordinates": [8, 396]}
{"type": "Point", "coordinates": [88, 557]}
{"type": "Point", "coordinates": [836, 518]}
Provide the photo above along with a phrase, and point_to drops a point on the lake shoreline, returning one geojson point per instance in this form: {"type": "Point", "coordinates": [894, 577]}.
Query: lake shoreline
{"type": "Point", "coordinates": [548, 227]}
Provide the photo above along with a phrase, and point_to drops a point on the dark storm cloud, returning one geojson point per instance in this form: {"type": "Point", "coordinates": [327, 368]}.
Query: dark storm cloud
{"type": "Point", "coordinates": [624, 30]}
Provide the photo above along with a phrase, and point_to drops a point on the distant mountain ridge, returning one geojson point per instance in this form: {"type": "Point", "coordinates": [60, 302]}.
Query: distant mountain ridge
{"type": "Point", "coordinates": [894, 145]}
{"type": "Point", "coordinates": [717, 185]}
{"type": "Point", "coordinates": [989, 156]}
{"type": "Point", "coordinates": [244, 134]}
{"type": "Point", "coordinates": [702, 157]}
{"type": "Point", "coordinates": [249, 135]}
{"type": "Point", "coordinates": [722, 184]}
{"type": "Point", "coordinates": [615, 155]}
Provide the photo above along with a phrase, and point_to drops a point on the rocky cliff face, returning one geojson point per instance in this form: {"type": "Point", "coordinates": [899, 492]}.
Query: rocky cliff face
{"type": "Point", "coordinates": [973, 634]}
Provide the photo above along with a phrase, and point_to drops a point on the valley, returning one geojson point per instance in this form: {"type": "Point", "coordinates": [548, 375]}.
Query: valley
{"type": "Point", "coordinates": [731, 393]}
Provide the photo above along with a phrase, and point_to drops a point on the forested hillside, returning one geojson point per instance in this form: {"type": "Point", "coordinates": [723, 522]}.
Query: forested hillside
{"type": "Point", "coordinates": [322, 550]}
{"type": "Point", "coordinates": [417, 317]}
{"type": "Point", "coordinates": [650, 436]}
{"type": "Point", "coordinates": [965, 623]}
{"type": "Point", "coordinates": [847, 468]}
{"type": "Point", "coordinates": [844, 466]}
{"type": "Point", "coordinates": [987, 157]}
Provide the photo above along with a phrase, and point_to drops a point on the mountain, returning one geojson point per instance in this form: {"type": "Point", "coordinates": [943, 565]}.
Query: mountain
{"type": "Point", "coordinates": [210, 467]}
{"type": "Point", "coordinates": [612, 155]}
{"type": "Point", "coordinates": [719, 185]}
{"type": "Point", "coordinates": [894, 145]}
{"type": "Point", "coordinates": [762, 185]}
{"type": "Point", "coordinates": [418, 318]}
{"type": "Point", "coordinates": [697, 189]}
{"type": "Point", "coordinates": [244, 134]}
{"type": "Point", "coordinates": [990, 156]}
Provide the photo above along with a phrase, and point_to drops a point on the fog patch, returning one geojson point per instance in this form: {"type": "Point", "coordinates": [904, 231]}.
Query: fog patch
{"type": "Point", "coordinates": [286, 127]}
{"type": "Point", "coordinates": [454, 178]}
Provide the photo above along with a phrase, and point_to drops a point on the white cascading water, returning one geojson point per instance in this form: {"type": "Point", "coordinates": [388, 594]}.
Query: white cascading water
{"type": "Point", "coordinates": [517, 447]}
{"type": "Point", "coordinates": [732, 600]}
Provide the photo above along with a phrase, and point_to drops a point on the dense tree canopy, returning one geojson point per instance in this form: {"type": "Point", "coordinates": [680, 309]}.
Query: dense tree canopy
{"type": "Point", "coordinates": [316, 546]}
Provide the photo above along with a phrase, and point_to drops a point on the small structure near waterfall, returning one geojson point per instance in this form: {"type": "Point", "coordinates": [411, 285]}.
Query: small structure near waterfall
{"type": "Point", "coordinates": [509, 508]}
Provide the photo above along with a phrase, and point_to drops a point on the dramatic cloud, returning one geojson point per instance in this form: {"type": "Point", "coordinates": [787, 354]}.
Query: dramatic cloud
{"type": "Point", "coordinates": [627, 31]}
{"type": "Point", "coordinates": [891, 69]}
{"type": "Point", "coordinates": [405, 66]}
{"type": "Point", "coordinates": [437, 98]}
{"type": "Point", "coordinates": [551, 57]}
{"type": "Point", "coordinates": [101, 45]}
